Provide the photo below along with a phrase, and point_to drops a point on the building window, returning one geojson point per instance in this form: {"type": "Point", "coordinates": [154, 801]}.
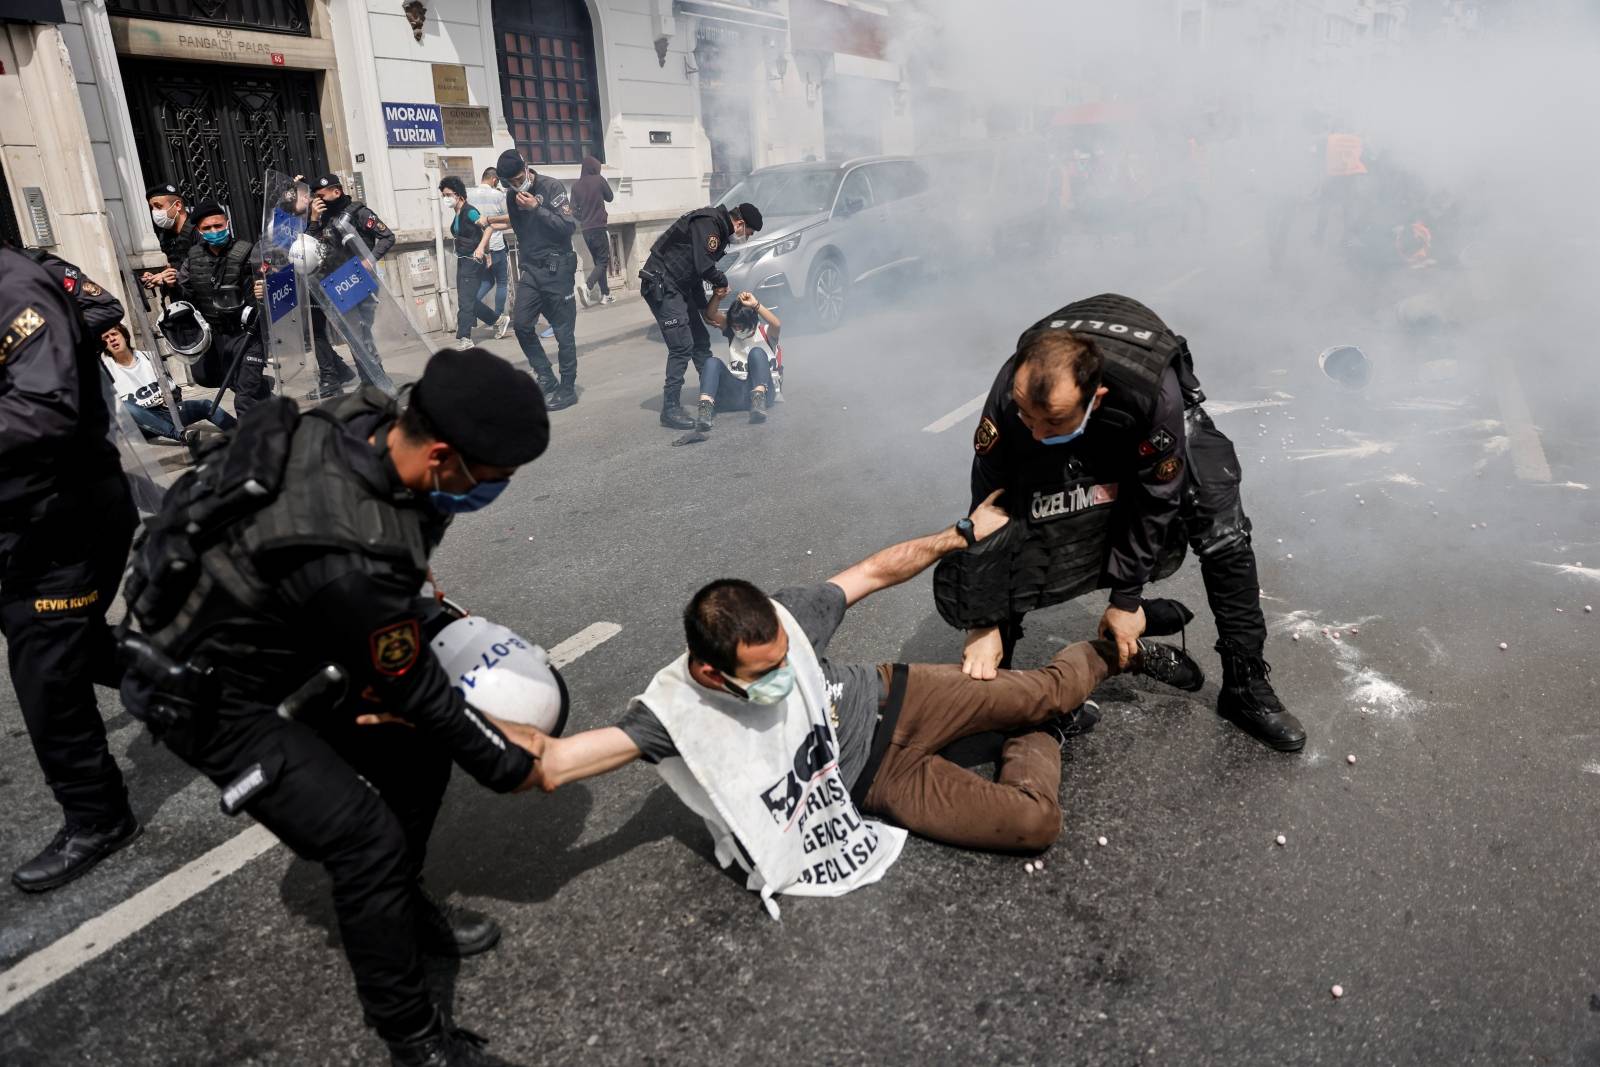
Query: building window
{"type": "Point", "coordinates": [547, 81]}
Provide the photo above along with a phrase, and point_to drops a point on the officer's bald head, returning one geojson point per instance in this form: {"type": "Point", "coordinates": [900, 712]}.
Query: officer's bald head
{"type": "Point", "coordinates": [1054, 375]}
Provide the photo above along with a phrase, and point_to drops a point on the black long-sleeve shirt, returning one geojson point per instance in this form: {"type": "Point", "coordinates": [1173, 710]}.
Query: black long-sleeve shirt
{"type": "Point", "coordinates": [545, 229]}
{"type": "Point", "coordinates": [687, 252]}
{"type": "Point", "coordinates": [1145, 458]}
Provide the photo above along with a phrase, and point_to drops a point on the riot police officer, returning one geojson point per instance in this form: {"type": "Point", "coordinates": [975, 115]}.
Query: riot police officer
{"type": "Point", "coordinates": [336, 220]}
{"type": "Point", "coordinates": [174, 230]}
{"type": "Point", "coordinates": [66, 518]}
{"type": "Point", "coordinates": [284, 573]}
{"type": "Point", "coordinates": [223, 282]}
{"type": "Point", "coordinates": [542, 218]}
{"type": "Point", "coordinates": [682, 259]}
{"type": "Point", "coordinates": [1095, 431]}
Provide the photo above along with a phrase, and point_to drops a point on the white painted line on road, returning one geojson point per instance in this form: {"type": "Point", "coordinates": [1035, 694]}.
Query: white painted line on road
{"type": "Point", "coordinates": [1167, 287]}
{"type": "Point", "coordinates": [110, 928]}
{"type": "Point", "coordinates": [1527, 451]}
{"type": "Point", "coordinates": [960, 414]}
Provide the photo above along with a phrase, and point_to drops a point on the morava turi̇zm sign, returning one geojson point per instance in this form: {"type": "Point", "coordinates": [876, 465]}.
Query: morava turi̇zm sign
{"type": "Point", "coordinates": [413, 125]}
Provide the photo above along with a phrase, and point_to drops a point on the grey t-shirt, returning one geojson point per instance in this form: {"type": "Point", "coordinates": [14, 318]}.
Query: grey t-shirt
{"type": "Point", "coordinates": [854, 690]}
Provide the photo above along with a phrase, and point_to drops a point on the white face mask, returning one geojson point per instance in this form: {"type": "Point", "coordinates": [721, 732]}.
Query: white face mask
{"type": "Point", "coordinates": [162, 219]}
{"type": "Point", "coordinates": [449, 202]}
{"type": "Point", "coordinates": [525, 184]}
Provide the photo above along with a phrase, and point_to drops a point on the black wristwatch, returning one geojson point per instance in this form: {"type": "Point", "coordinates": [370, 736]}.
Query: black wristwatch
{"type": "Point", "coordinates": [964, 528]}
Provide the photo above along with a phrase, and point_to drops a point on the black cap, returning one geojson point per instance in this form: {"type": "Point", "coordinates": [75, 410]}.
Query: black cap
{"type": "Point", "coordinates": [510, 162]}
{"type": "Point", "coordinates": [162, 189]}
{"type": "Point", "coordinates": [750, 215]}
{"type": "Point", "coordinates": [483, 407]}
{"type": "Point", "coordinates": [328, 181]}
{"type": "Point", "coordinates": [205, 211]}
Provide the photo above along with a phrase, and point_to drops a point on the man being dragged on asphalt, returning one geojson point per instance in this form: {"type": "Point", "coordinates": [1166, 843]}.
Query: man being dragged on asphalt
{"type": "Point", "coordinates": [781, 751]}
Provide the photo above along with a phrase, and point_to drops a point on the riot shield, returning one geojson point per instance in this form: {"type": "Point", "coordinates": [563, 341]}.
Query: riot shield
{"type": "Point", "coordinates": [288, 326]}
{"type": "Point", "coordinates": [141, 460]}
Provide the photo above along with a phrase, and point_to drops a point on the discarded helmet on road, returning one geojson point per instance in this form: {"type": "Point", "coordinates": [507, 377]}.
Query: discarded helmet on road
{"type": "Point", "coordinates": [185, 330]}
{"type": "Point", "coordinates": [1347, 365]}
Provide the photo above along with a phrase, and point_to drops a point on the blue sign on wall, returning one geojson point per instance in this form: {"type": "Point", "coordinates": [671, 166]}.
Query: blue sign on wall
{"type": "Point", "coordinates": [348, 285]}
{"type": "Point", "coordinates": [413, 125]}
{"type": "Point", "coordinates": [282, 293]}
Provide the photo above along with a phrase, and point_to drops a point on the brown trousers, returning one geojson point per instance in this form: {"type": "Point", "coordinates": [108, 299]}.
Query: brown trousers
{"type": "Point", "coordinates": [922, 791]}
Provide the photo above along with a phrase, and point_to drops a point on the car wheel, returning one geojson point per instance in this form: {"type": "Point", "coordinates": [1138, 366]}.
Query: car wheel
{"type": "Point", "coordinates": [826, 293]}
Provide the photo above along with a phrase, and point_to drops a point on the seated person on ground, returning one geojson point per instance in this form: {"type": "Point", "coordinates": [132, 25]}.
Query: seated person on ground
{"type": "Point", "coordinates": [133, 376]}
{"type": "Point", "coordinates": [781, 751]}
{"type": "Point", "coordinates": [745, 380]}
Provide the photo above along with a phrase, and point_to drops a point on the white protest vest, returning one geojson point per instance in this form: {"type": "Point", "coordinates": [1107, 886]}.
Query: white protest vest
{"type": "Point", "coordinates": [766, 780]}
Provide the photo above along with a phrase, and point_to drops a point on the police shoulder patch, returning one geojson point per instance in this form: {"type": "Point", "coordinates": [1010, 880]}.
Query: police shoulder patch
{"type": "Point", "coordinates": [1158, 442]}
{"type": "Point", "coordinates": [986, 437]}
{"type": "Point", "coordinates": [22, 327]}
{"type": "Point", "coordinates": [713, 242]}
{"type": "Point", "coordinates": [1168, 469]}
{"type": "Point", "coordinates": [91, 289]}
{"type": "Point", "coordinates": [395, 647]}
{"type": "Point", "coordinates": [69, 282]}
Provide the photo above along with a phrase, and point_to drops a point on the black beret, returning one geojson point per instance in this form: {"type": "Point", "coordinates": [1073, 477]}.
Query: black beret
{"type": "Point", "coordinates": [205, 211]}
{"type": "Point", "coordinates": [750, 215]}
{"type": "Point", "coordinates": [510, 162]}
{"type": "Point", "coordinates": [162, 189]}
{"type": "Point", "coordinates": [329, 181]}
{"type": "Point", "coordinates": [483, 407]}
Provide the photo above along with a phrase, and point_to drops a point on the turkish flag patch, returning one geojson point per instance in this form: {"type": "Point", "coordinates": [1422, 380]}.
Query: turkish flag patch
{"type": "Point", "coordinates": [69, 283]}
{"type": "Point", "coordinates": [395, 648]}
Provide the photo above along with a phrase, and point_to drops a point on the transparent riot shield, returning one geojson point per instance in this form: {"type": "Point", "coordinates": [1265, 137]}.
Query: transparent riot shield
{"type": "Point", "coordinates": [287, 329]}
{"type": "Point", "coordinates": [141, 460]}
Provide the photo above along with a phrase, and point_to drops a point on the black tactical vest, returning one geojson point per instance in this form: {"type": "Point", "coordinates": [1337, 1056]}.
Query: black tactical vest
{"type": "Point", "coordinates": [278, 484]}
{"type": "Point", "coordinates": [219, 285]}
{"type": "Point", "coordinates": [673, 252]}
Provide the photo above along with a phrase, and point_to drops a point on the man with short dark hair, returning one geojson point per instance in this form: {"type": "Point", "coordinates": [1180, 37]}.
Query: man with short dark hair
{"type": "Point", "coordinates": [542, 218]}
{"type": "Point", "coordinates": [174, 229]}
{"type": "Point", "coordinates": [781, 751]}
{"type": "Point", "coordinates": [682, 261]}
{"type": "Point", "coordinates": [224, 282]}
{"type": "Point", "coordinates": [490, 200]}
{"type": "Point", "coordinates": [344, 225]}
{"type": "Point", "coordinates": [277, 601]}
{"type": "Point", "coordinates": [1110, 465]}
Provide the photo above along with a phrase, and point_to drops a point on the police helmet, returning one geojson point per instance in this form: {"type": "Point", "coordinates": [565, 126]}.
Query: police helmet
{"type": "Point", "coordinates": [305, 252]}
{"type": "Point", "coordinates": [185, 330]}
{"type": "Point", "coordinates": [500, 673]}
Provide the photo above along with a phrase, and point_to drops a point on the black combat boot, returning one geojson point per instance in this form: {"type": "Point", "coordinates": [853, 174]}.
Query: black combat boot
{"type": "Point", "coordinates": [673, 417]}
{"type": "Point", "coordinates": [548, 386]}
{"type": "Point", "coordinates": [758, 405]}
{"type": "Point", "coordinates": [1247, 701]}
{"type": "Point", "coordinates": [561, 397]}
{"type": "Point", "coordinates": [1080, 720]}
{"type": "Point", "coordinates": [450, 930]}
{"type": "Point", "coordinates": [72, 852]}
{"type": "Point", "coordinates": [439, 1045]}
{"type": "Point", "coordinates": [1167, 665]}
{"type": "Point", "coordinates": [704, 415]}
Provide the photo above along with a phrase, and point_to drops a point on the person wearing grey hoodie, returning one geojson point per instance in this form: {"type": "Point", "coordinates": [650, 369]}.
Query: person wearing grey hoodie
{"type": "Point", "coordinates": [589, 198]}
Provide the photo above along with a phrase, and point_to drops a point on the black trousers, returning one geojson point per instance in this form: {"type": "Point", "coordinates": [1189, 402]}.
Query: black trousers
{"type": "Point", "coordinates": [59, 571]}
{"type": "Point", "coordinates": [1213, 521]}
{"type": "Point", "coordinates": [250, 385]}
{"type": "Point", "coordinates": [544, 287]}
{"type": "Point", "coordinates": [600, 251]}
{"type": "Point", "coordinates": [684, 331]}
{"type": "Point", "coordinates": [330, 368]}
{"type": "Point", "coordinates": [469, 279]}
{"type": "Point", "coordinates": [359, 800]}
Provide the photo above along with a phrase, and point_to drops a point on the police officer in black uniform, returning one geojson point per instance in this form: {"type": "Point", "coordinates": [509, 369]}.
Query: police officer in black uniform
{"type": "Point", "coordinates": [174, 229]}
{"type": "Point", "coordinates": [1095, 431]}
{"type": "Point", "coordinates": [277, 600]}
{"type": "Point", "coordinates": [683, 257]}
{"type": "Point", "coordinates": [66, 518]}
{"type": "Point", "coordinates": [332, 211]}
{"type": "Point", "coordinates": [224, 283]}
{"type": "Point", "coordinates": [542, 218]}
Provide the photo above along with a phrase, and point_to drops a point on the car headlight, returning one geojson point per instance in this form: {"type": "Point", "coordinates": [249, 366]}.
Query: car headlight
{"type": "Point", "coordinates": [780, 248]}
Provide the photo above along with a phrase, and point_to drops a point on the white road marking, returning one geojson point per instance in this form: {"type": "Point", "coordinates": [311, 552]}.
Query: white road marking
{"type": "Point", "coordinates": [1527, 451]}
{"type": "Point", "coordinates": [1179, 280]}
{"type": "Point", "coordinates": [960, 414]}
{"type": "Point", "coordinates": [110, 928]}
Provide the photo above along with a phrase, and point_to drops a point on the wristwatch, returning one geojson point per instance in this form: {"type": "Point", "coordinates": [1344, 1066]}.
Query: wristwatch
{"type": "Point", "coordinates": [964, 528]}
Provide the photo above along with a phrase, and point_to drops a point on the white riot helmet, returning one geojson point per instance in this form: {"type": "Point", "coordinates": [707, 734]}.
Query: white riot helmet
{"type": "Point", "coordinates": [305, 252]}
{"type": "Point", "coordinates": [1347, 365]}
{"type": "Point", "coordinates": [185, 330]}
{"type": "Point", "coordinates": [502, 674]}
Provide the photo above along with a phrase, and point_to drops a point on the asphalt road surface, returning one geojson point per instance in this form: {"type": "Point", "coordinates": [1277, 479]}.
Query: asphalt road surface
{"type": "Point", "coordinates": [1444, 879]}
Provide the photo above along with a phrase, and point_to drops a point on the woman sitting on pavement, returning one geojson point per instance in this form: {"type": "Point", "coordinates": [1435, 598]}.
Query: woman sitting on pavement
{"type": "Point", "coordinates": [133, 376]}
{"type": "Point", "coordinates": [745, 380]}
{"type": "Point", "coordinates": [471, 234]}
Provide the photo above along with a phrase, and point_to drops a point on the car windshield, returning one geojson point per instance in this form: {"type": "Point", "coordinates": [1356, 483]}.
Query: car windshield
{"type": "Point", "coordinates": [786, 192]}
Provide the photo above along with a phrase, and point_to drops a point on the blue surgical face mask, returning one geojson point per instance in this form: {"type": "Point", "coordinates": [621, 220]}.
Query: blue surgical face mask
{"type": "Point", "coordinates": [481, 495]}
{"type": "Point", "coordinates": [216, 237]}
{"type": "Point", "coordinates": [770, 688]}
{"type": "Point", "coordinates": [1063, 438]}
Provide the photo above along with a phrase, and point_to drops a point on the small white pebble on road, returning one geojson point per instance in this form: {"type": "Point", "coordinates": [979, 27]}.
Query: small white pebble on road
{"type": "Point", "coordinates": [1101, 841]}
{"type": "Point", "coordinates": [1587, 608]}
{"type": "Point", "coordinates": [1313, 522]}
{"type": "Point", "coordinates": [1028, 867]}
{"type": "Point", "coordinates": [1504, 646]}
{"type": "Point", "coordinates": [1038, 865]}
{"type": "Point", "coordinates": [1355, 629]}
{"type": "Point", "coordinates": [530, 539]}
{"type": "Point", "coordinates": [808, 552]}
{"type": "Point", "coordinates": [1337, 991]}
{"type": "Point", "coordinates": [1280, 540]}
{"type": "Point", "coordinates": [1294, 637]}
{"type": "Point", "coordinates": [1289, 556]}
{"type": "Point", "coordinates": [1336, 635]}
{"type": "Point", "coordinates": [1350, 759]}
{"type": "Point", "coordinates": [1561, 611]}
{"type": "Point", "coordinates": [1282, 840]}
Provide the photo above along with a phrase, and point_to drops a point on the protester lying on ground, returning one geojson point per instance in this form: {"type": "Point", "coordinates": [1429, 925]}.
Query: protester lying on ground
{"type": "Point", "coordinates": [781, 751]}
{"type": "Point", "coordinates": [133, 376]}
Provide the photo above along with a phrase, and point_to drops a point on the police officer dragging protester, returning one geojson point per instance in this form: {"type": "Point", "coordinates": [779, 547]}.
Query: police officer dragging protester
{"type": "Point", "coordinates": [277, 601]}
{"type": "Point", "coordinates": [224, 286]}
{"type": "Point", "coordinates": [682, 259]}
{"type": "Point", "coordinates": [1095, 431]}
{"type": "Point", "coordinates": [541, 217]}
{"type": "Point", "coordinates": [174, 229]}
{"type": "Point", "coordinates": [337, 222]}
{"type": "Point", "coordinates": [66, 518]}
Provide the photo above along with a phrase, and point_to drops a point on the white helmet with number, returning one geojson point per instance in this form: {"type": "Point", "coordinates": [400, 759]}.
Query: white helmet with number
{"type": "Point", "coordinates": [305, 252]}
{"type": "Point", "coordinates": [503, 675]}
